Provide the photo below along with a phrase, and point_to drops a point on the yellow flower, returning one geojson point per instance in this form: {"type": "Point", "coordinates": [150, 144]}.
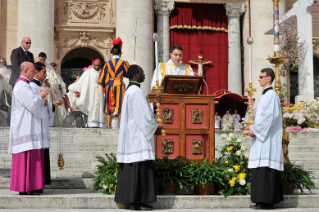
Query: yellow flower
{"type": "Point", "coordinates": [226, 161]}
{"type": "Point", "coordinates": [242, 175]}
{"type": "Point", "coordinates": [236, 167]}
{"type": "Point", "coordinates": [231, 183]}
{"type": "Point", "coordinates": [111, 185]}
{"type": "Point", "coordinates": [233, 178]}
{"type": "Point", "coordinates": [229, 148]}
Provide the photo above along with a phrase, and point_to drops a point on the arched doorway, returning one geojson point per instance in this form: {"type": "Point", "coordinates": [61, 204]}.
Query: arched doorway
{"type": "Point", "coordinates": [74, 61]}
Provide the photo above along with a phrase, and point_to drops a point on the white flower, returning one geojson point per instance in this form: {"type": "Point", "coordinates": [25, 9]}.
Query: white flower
{"type": "Point", "coordinates": [231, 135]}
{"type": "Point", "coordinates": [230, 170]}
{"type": "Point", "coordinates": [238, 152]}
{"type": "Point", "coordinates": [242, 182]}
{"type": "Point", "coordinates": [105, 187]}
{"type": "Point", "coordinates": [223, 136]}
{"type": "Point", "coordinates": [238, 140]}
{"type": "Point", "coordinates": [228, 139]}
{"type": "Point", "coordinates": [243, 148]}
{"type": "Point", "coordinates": [247, 155]}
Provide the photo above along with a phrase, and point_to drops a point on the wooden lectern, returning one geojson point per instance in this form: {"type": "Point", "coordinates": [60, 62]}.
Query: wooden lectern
{"type": "Point", "coordinates": [188, 119]}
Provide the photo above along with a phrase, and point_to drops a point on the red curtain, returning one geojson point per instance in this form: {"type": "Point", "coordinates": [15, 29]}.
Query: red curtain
{"type": "Point", "coordinates": [202, 29]}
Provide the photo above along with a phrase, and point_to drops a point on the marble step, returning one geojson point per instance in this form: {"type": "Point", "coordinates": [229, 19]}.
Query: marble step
{"type": "Point", "coordinates": [86, 199]}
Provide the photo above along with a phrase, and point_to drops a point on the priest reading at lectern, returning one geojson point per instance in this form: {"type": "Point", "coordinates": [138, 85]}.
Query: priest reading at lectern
{"type": "Point", "coordinates": [174, 66]}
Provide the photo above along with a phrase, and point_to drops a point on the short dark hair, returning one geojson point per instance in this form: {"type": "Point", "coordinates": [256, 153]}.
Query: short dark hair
{"type": "Point", "coordinates": [38, 66]}
{"type": "Point", "coordinates": [116, 50]}
{"type": "Point", "coordinates": [4, 59]}
{"type": "Point", "coordinates": [53, 64]}
{"type": "Point", "coordinates": [42, 54]}
{"type": "Point", "coordinates": [176, 47]}
{"type": "Point", "coordinates": [269, 72]}
{"type": "Point", "coordinates": [132, 70]}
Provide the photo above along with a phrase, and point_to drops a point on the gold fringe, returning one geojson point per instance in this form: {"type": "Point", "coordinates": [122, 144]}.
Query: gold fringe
{"type": "Point", "coordinates": [199, 28]}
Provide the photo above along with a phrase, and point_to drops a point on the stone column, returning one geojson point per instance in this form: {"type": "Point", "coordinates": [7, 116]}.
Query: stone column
{"type": "Point", "coordinates": [305, 71]}
{"type": "Point", "coordinates": [163, 10]}
{"type": "Point", "coordinates": [36, 20]}
{"type": "Point", "coordinates": [127, 12]}
{"type": "Point", "coordinates": [234, 11]}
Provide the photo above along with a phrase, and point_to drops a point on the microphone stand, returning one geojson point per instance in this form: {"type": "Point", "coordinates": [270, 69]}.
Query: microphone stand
{"type": "Point", "coordinates": [203, 81]}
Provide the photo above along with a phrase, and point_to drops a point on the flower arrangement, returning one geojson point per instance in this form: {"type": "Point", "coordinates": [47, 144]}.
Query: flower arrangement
{"type": "Point", "coordinates": [234, 160]}
{"type": "Point", "coordinates": [106, 174]}
{"type": "Point", "coordinates": [303, 114]}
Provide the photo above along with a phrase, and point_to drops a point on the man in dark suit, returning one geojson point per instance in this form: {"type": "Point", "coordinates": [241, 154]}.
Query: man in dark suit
{"type": "Point", "coordinates": [18, 56]}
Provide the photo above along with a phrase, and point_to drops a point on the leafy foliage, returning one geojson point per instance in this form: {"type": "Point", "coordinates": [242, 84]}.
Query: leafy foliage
{"type": "Point", "coordinates": [294, 175]}
{"type": "Point", "coordinates": [106, 174]}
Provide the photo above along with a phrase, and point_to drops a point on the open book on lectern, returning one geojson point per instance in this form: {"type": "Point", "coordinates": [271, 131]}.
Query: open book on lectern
{"type": "Point", "coordinates": [181, 84]}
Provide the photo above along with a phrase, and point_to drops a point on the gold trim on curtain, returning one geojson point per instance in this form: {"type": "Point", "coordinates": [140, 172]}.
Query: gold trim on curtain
{"type": "Point", "coordinates": [199, 28]}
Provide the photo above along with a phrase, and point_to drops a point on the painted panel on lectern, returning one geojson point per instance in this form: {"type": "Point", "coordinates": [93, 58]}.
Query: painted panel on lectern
{"type": "Point", "coordinates": [197, 147]}
{"type": "Point", "coordinates": [170, 115]}
{"type": "Point", "coordinates": [167, 145]}
{"type": "Point", "coordinates": [197, 116]}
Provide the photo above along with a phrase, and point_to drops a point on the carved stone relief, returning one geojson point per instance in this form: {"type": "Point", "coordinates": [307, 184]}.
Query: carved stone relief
{"type": "Point", "coordinates": [168, 115]}
{"type": "Point", "coordinates": [197, 116]}
{"type": "Point", "coordinates": [83, 39]}
{"type": "Point", "coordinates": [167, 146]}
{"type": "Point", "coordinates": [84, 10]}
{"type": "Point", "coordinates": [197, 146]}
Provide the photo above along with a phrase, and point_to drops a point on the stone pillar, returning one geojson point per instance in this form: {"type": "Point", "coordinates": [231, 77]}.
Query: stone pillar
{"type": "Point", "coordinates": [127, 12]}
{"type": "Point", "coordinates": [234, 11]}
{"type": "Point", "coordinates": [163, 10]}
{"type": "Point", "coordinates": [305, 71]}
{"type": "Point", "coordinates": [36, 20]}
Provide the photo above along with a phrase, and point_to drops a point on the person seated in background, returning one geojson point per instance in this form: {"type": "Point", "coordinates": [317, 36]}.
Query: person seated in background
{"type": "Point", "coordinates": [217, 121]}
{"type": "Point", "coordinates": [236, 118]}
{"type": "Point", "coordinates": [227, 121]}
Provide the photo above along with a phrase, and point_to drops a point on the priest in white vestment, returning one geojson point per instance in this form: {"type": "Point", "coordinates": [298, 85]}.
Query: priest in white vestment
{"type": "Point", "coordinates": [174, 66]}
{"type": "Point", "coordinates": [217, 121]}
{"type": "Point", "coordinates": [91, 100]}
{"type": "Point", "coordinates": [4, 85]}
{"type": "Point", "coordinates": [72, 93]}
{"type": "Point", "coordinates": [227, 121]}
{"type": "Point", "coordinates": [266, 157]}
{"type": "Point", "coordinates": [26, 138]}
{"type": "Point", "coordinates": [236, 118]}
{"type": "Point", "coordinates": [135, 153]}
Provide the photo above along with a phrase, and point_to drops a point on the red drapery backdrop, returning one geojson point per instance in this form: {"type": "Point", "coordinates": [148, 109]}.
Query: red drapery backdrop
{"type": "Point", "coordinates": [202, 29]}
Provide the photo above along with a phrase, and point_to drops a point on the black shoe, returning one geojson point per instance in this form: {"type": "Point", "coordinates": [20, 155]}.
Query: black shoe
{"type": "Point", "coordinates": [135, 207]}
{"type": "Point", "coordinates": [36, 192]}
{"type": "Point", "coordinates": [264, 207]}
{"type": "Point", "coordinates": [145, 207]}
{"type": "Point", "coordinates": [254, 206]}
{"type": "Point", "coordinates": [23, 193]}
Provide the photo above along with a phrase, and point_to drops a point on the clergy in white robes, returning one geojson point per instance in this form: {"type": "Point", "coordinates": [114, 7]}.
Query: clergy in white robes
{"type": "Point", "coordinates": [236, 119]}
{"type": "Point", "coordinates": [26, 138]}
{"type": "Point", "coordinates": [49, 109]}
{"type": "Point", "coordinates": [227, 121]}
{"type": "Point", "coordinates": [217, 121]}
{"type": "Point", "coordinates": [135, 153]}
{"type": "Point", "coordinates": [4, 85]}
{"type": "Point", "coordinates": [174, 66]}
{"type": "Point", "coordinates": [72, 93]}
{"type": "Point", "coordinates": [91, 101]}
{"type": "Point", "coordinates": [266, 157]}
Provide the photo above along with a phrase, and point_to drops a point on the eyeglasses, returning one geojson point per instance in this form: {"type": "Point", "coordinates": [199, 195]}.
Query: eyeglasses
{"type": "Point", "coordinates": [28, 43]}
{"type": "Point", "coordinates": [260, 77]}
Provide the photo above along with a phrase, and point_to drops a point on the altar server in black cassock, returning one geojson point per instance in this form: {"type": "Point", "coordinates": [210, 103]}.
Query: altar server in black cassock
{"type": "Point", "coordinates": [266, 157]}
{"type": "Point", "coordinates": [135, 154]}
{"type": "Point", "coordinates": [49, 109]}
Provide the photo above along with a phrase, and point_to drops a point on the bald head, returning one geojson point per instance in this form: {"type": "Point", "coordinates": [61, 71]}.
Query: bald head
{"type": "Point", "coordinates": [37, 60]}
{"type": "Point", "coordinates": [27, 70]}
{"type": "Point", "coordinates": [26, 43]}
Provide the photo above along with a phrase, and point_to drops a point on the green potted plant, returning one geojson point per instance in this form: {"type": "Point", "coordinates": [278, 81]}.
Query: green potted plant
{"type": "Point", "coordinates": [168, 174]}
{"type": "Point", "coordinates": [106, 174]}
{"type": "Point", "coordinates": [204, 176]}
{"type": "Point", "coordinates": [294, 176]}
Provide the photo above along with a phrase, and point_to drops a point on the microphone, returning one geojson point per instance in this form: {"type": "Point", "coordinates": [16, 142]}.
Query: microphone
{"type": "Point", "coordinates": [203, 80]}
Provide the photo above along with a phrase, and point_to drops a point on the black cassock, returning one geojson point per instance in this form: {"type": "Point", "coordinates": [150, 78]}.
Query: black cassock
{"type": "Point", "coordinates": [136, 183]}
{"type": "Point", "coordinates": [266, 186]}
